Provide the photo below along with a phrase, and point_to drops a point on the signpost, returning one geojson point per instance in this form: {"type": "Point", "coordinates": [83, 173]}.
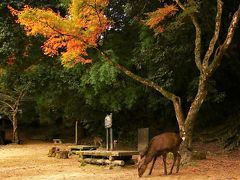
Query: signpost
{"type": "Point", "coordinates": [109, 132]}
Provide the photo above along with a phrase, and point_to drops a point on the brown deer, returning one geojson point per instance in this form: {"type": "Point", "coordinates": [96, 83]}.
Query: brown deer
{"type": "Point", "coordinates": [160, 145]}
{"type": "Point", "coordinates": [97, 141]}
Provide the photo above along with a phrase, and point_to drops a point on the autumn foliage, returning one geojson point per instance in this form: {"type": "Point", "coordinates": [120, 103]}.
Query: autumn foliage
{"type": "Point", "coordinates": [69, 36]}
{"type": "Point", "coordinates": [156, 17]}
{"type": "Point", "coordinates": [81, 28]}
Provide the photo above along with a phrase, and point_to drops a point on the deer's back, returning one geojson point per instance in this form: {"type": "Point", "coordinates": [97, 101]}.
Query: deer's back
{"type": "Point", "coordinates": [165, 142]}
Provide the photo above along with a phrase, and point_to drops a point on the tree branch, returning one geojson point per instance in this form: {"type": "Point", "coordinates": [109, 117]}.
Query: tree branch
{"type": "Point", "coordinates": [222, 49]}
{"type": "Point", "coordinates": [20, 97]}
{"type": "Point", "coordinates": [215, 36]}
{"type": "Point", "coordinates": [7, 97]}
{"type": "Point", "coordinates": [170, 96]}
{"type": "Point", "coordinates": [231, 29]}
{"type": "Point", "coordinates": [3, 102]}
{"type": "Point", "coordinates": [198, 38]}
{"type": "Point", "coordinates": [142, 80]}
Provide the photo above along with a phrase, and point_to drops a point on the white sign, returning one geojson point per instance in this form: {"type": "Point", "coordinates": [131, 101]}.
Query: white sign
{"type": "Point", "coordinates": [108, 121]}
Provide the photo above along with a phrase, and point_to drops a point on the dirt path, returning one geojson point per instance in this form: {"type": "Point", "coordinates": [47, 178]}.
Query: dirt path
{"type": "Point", "coordinates": [30, 161]}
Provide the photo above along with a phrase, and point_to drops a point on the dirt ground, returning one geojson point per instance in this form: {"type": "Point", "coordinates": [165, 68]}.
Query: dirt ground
{"type": "Point", "coordinates": [30, 161]}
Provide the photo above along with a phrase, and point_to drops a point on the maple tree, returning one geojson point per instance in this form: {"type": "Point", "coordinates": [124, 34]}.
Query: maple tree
{"type": "Point", "coordinates": [156, 17]}
{"type": "Point", "coordinates": [71, 35]}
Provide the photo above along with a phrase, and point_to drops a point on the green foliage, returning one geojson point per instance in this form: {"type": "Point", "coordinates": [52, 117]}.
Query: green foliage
{"type": "Point", "coordinates": [100, 74]}
{"type": "Point", "coordinates": [64, 3]}
{"type": "Point", "coordinates": [103, 85]}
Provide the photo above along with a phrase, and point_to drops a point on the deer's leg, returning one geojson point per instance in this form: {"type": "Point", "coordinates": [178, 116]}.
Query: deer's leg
{"type": "Point", "coordinates": [164, 163]}
{"type": "Point", "coordinates": [178, 161]}
{"type": "Point", "coordinates": [154, 160]}
{"type": "Point", "coordinates": [175, 156]}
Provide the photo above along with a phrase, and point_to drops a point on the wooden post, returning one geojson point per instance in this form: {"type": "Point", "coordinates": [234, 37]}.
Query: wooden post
{"type": "Point", "coordinates": [111, 139]}
{"type": "Point", "coordinates": [143, 138]}
{"type": "Point", "coordinates": [76, 132]}
{"type": "Point", "coordinates": [107, 143]}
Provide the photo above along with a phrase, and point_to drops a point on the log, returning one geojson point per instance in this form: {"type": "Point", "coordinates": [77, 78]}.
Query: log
{"type": "Point", "coordinates": [104, 162]}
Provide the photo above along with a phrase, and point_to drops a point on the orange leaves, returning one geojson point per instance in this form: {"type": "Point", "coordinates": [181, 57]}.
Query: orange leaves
{"type": "Point", "coordinates": [156, 17]}
{"type": "Point", "coordinates": [52, 45]}
{"type": "Point", "coordinates": [70, 35]}
{"type": "Point", "coordinates": [13, 11]}
{"type": "Point", "coordinates": [86, 6]}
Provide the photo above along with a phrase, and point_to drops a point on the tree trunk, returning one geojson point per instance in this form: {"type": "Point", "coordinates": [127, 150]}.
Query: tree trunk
{"type": "Point", "coordinates": [194, 109]}
{"type": "Point", "coordinates": [15, 130]}
{"type": "Point", "coordinates": [186, 146]}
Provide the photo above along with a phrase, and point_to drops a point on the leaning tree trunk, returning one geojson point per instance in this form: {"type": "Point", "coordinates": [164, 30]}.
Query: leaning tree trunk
{"type": "Point", "coordinates": [15, 128]}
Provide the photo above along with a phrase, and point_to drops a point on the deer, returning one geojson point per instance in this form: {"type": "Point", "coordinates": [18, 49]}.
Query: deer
{"type": "Point", "coordinates": [97, 141]}
{"type": "Point", "coordinates": [160, 145]}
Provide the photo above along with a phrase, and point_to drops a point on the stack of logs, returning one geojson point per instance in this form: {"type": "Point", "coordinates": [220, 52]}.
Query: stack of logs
{"type": "Point", "coordinates": [102, 161]}
{"type": "Point", "coordinates": [56, 152]}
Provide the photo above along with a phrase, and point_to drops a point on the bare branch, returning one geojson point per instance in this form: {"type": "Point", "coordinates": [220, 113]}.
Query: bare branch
{"type": "Point", "coordinates": [7, 97]}
{"type": "Point", "coordinates": [5, 103]}
{"type": "Point", "coordinates": [231, 29]}
{"type": "Point", "coordinates": [215, 35]}
{"type": "Point", "coordinates": [198, 39]}
{"type": "Point", "coordinates": [222, 49]}
{"type": "Point", "coordinates": [20, 96]}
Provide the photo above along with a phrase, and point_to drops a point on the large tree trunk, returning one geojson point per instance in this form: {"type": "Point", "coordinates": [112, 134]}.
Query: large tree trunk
{"type": "Point", "coordinates": [15, 128]}
{"type": "Point", "coordinates": [193, 111]}
{"type": "Point", "coordinates": [186, 146]}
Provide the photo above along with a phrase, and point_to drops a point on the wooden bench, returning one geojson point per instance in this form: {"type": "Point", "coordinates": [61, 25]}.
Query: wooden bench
{"type": "Point", "coordinates": [75, 149]}
{"type": "Point", "coordinates": [102, 157]}
{"type": "Point", "coordinates": [57, 141]}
